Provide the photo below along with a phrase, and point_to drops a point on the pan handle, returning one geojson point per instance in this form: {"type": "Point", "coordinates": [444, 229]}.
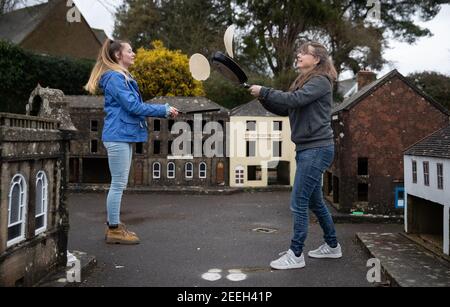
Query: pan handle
{"type": "Point", "coordinates": [245, 85]}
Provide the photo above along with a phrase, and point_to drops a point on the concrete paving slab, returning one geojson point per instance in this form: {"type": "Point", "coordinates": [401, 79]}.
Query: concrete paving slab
{"type": "Point", "coordinates": [404, 262]}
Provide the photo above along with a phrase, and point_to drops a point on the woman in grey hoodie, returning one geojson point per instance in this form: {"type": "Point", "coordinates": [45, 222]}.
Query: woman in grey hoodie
{"type": "Point", "coordinates": [308, 104]}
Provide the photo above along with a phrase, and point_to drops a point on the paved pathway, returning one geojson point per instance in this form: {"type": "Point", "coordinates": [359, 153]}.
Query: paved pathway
{"type": "Point", "coordinates": [209, 240]}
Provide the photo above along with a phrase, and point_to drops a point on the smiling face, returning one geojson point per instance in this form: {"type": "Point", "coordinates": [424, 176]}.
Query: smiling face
{"type": "Point", "coordinates": [126, 56]}
{"type": "Point", "coordinates": [306, 60]}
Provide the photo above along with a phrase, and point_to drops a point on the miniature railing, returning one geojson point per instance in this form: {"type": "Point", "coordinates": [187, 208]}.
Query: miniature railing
{"type": "Point", "coordinates": [27, 122]}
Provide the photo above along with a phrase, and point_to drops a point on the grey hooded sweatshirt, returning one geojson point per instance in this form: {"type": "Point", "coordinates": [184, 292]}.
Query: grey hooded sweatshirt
{"type": "Point", "coordinates": [309, 110]}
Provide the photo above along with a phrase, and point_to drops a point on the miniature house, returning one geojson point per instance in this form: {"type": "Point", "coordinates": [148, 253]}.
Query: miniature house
{"type": "Point", "coordinates": [427, 189]}
{"type": "Point", "coordinates": [372, 128]}
{"type": "Point", "coordinates": [154, 164]}
{"type": "Point", "coordinates": [192, 165]}
{"type": "Point", "coordinates": [33, 214]}
{"type": "Point", "coordinates": [261, 151]}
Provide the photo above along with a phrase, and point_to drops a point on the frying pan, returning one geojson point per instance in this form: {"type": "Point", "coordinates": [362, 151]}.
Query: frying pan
{"type": "Point", "coordinates": [228, 68]}
{"type": "Point", "coordinates": [199, 111]}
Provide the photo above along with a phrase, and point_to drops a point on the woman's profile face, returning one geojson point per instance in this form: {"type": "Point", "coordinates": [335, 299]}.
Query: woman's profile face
{"type": "Point", "coordinates": [306, 60]}
{"type": "Point", "coordinates": [127, 56]}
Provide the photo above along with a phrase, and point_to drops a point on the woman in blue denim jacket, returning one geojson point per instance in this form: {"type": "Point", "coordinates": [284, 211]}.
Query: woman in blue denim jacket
{"type": "Point", "coordinates": [125, 123]}
{"type": "Point", "coordinates": [308, 104]}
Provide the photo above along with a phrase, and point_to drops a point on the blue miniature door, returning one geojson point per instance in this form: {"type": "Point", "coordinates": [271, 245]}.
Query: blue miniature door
{"type": "Point", "coordinates": [399, 197]}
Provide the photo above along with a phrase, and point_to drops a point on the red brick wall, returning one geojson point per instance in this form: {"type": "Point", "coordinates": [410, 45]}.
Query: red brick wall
{"type": "Point", "coordinates": [380, 128]}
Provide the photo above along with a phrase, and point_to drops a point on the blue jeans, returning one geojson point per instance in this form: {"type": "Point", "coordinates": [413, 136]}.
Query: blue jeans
{"type": "Point", "coordinates": [119, 160]}
{"type": "Point", "coordinates": [307, 194]}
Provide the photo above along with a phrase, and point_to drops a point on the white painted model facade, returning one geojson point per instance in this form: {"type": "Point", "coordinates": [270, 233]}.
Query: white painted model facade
{"type": "Point", "coordinates": [431, 191]}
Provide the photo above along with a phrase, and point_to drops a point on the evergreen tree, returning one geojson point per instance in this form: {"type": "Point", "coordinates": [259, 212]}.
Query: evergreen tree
{"type": "Point", "coordinates": [434, 84]}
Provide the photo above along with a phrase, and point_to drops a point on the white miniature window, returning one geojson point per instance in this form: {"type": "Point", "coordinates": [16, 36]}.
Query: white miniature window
{"type": "Point", "coordinates": [202, 170]}
{"type": "Point", "coordinates": [414, 171]}
{"type": "Point", "coordinates": [440, 176]}
{"type": "Point", "coordinates": [156, 170]}
{"type": "Point", "coordinates": [426, 173]}
{"type": "Point", "coordinates": [277, 126]}
{"type": "Point", "coordinates": [17, 199]}
{"type": "Point", "coordinates": [239, 175]}
{"type": "Point", "coordinates": [41, 202]}
{"type": "Point", "coordinates": [171, 170]}
{"type": "Point", "coordinates": [189, 170]}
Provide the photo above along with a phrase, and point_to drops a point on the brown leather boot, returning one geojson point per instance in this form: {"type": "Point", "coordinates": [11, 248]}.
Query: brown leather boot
{"type": "Point", "coordinates": [120, 235]}
{"type": "Point", "coordinates": [121, 225]}
{"type": "Point", "coordinates": [126, 229]}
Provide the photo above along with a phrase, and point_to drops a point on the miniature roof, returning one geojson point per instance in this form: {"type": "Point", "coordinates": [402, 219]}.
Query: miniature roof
{"type": "Point", "coordinates": [190, 104]}
{"type": "Point", "coordinates": [85, 102]}
{"type": "Point", "coordinates": [435, 145]}
{"type": "Point", "coordinates": [15, 26]}
{"type": "Point", "coordinates": [185, 104]}
{"type": "Point", "coordinates": [350, 102]}
{"type": "Point", "coordinates": [252, 108]}
{"type": "Point", "coordinates": [100, 34]}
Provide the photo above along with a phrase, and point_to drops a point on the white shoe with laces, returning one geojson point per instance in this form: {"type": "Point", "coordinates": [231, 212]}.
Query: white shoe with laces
{"type": "Point", "coordinates": [325, 251]}
{"type": "Point", "coordinates": [288, 260]}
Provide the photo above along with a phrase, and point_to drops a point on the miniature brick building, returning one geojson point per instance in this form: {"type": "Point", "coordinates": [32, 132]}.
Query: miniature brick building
{"type": "Point", "coordinates": [372, 129]}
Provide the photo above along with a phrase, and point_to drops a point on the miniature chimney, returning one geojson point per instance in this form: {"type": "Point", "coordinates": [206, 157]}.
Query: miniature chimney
{"type": "Point", "coordinates": [365, 77]}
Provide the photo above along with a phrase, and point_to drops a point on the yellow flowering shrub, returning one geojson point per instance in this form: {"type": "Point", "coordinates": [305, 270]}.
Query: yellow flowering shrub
{"type": "Point", "coordinates": [163, 72]}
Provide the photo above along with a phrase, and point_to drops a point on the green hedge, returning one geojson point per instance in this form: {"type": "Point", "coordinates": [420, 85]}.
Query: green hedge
{"type": "Point", "coordinates": [21, 71]}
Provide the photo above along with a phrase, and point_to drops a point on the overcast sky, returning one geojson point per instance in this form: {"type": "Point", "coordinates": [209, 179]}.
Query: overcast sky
{"type": "Point", "coordinates": [431, 53]}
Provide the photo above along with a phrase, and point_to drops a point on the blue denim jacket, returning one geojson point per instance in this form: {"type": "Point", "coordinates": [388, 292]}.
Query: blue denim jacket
{"type": "Point", "coordinates": [125, 119]}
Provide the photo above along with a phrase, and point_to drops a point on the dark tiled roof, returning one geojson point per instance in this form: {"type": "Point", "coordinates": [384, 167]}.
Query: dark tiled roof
{"type": "Point", "coordinates": [85, 102]}
{"type": "Point", "coordinates": [100, 34]}
{"type": "Point", "coordinates": [16, 25]}
{"type": "Point", "coordinates": [436, 145]}
{"type": "Point", "coordinates": [252, 108]}
{"type": "Point", "coordinates": [190, 104]}
{"type": "Point", "coordinates": [185, 104]}
{"type": "Point", "coordinates": [352, 100]}
{"type": "Point", "coordinates": [348, 103]}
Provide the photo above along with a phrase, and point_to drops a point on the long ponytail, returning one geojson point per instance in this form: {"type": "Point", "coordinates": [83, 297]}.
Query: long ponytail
{"type": "Point", "coordinates": [106, 60]}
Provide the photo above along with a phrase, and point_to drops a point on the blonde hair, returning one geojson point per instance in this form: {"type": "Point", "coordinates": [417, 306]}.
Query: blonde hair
{"type": "Point", "coordinates": [325, 67]}
{"type": "Point", "coordinates": [106, 60]}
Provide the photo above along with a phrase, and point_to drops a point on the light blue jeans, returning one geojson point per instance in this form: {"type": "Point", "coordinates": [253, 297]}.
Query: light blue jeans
{"type": "Point", "coordinates": [119, 160]}
{"type": "Point", "coordinates": [307, 194]}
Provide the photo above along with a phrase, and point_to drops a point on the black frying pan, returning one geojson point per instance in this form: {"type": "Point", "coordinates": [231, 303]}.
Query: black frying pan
{"type": "Point", "coordinates": [228, 68]}
{"type": "Point", "coordinates": [199, 111]}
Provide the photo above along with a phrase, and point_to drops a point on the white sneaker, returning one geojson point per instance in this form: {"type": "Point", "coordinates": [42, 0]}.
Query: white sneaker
{"type": "Point", "coordinates": [288, 260]}
{"type": "Point", "coordinates": [325, 251]}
